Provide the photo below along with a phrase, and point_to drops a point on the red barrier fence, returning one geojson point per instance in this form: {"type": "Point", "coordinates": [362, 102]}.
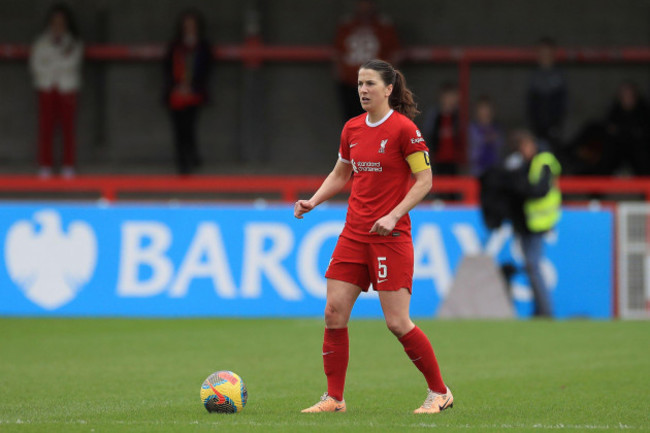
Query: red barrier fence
{"type": "Point", "coordinates": [259, 52]}
{"type": "Point", "coordinates": [283, 188]}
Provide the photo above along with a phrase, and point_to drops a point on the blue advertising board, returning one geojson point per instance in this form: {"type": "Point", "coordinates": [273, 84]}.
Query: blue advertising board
{"type": "Point", "coordinates": [243, 261]}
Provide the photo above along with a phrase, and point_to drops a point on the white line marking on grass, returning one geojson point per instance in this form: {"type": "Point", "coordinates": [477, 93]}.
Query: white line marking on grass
{"type": "Point", "coordinates": [620, 426]}
{"type": "Point", "coordinates": [231, 422]}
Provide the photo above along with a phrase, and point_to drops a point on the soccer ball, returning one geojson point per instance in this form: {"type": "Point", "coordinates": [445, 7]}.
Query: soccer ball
{"type": "Point", "coordinates": [224, 392]}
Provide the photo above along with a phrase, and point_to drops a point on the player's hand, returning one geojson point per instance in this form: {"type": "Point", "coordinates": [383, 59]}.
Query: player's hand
{"type": "Point", "coordinates": [384, 225]}
{"type": "Point", "coordinates": [302, 207]}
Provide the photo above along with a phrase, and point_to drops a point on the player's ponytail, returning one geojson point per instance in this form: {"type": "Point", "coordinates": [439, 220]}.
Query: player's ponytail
{"type": "Point", "coordinates": [401, 99]}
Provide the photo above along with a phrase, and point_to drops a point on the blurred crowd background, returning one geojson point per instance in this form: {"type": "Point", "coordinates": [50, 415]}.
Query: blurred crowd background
{"type": "Point", "coordinates": [138, 116]}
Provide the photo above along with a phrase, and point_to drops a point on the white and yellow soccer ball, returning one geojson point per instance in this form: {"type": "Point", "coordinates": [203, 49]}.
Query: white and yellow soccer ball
{"type": "Point", "coordinates": [224, 392]}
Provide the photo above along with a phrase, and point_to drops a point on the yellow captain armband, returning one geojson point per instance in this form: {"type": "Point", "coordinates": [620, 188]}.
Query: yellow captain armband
{"type": "Point", "coordinates": [418, 161]}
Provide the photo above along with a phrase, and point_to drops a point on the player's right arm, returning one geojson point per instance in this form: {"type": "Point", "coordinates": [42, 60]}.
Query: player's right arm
{"type": "Point", "coordinates": [331, 186]}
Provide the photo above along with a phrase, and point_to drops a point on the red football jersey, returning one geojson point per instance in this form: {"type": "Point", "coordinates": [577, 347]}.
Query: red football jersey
{"type": "Point", "coordinates": [381, 176]}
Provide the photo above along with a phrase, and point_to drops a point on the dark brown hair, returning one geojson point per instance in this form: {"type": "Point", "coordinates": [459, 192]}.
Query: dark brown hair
{"type": "Point", "coordinates": [517, 137]}
{"type": "Point", "coordinates": [485, 99]}
{"type": "Point", "coordinates": [68, 16]}
{"type": "Point", "coordinates": [448, 87]}
{"type": "Point", "coordinates": [401, 99]}
{"type": "Point", "coordinates": [194, 14]}
{"type": "Point", "coordinates": [547, 41]}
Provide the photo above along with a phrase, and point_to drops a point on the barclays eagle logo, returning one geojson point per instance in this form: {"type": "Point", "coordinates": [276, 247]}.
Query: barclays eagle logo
{"type": "Point", "coordinates": [49, 265]}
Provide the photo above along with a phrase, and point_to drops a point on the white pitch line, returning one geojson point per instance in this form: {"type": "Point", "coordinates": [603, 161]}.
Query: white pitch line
{"type": "Point", "coordinates": [559, 426]}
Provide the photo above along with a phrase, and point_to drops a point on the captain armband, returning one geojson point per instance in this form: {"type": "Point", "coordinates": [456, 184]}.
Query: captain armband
{"type": "Point", "coordinates": [419, 161]}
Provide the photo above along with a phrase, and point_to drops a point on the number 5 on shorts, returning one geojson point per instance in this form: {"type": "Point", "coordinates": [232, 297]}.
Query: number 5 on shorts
{"type": "Point", "coordinates": [383, 270]}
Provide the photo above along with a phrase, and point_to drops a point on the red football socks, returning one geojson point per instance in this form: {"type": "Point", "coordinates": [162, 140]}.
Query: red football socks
{"type": "Point", "coordinates": [336, 353]}
{"type": "Point", "coordinates": [418, 348]}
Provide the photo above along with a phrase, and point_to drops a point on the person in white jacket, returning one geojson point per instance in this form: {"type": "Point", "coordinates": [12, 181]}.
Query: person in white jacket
{"type": "Point", "coordinates": [55, 63]}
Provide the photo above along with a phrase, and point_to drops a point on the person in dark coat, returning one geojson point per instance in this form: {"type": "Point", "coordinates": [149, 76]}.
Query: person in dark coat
{"type": "Point", "coordinates": [546, 99]}
{"type": "Point", "coordinates": [628, 131]}
{"type": "Point", "coordinates": [187, 67]}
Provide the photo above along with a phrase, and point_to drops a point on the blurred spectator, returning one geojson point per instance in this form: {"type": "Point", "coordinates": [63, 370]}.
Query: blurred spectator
{"type": "Point", "coordinates": [547, 96]}
{"type": "Point", "coordinates": [485, 138]}
{"type": "Point", "coordinates": [628, 128]}
{"type": "Point", "coordinates": [442, 132]}
{"type": "Point", "coordinates": [523, 189]}
{"type": "Point", "coordinates": [55, 62]}
{"type": "Point", "coordinates": [187, 68]}
{"type": "Point", "coordinates": [586, 151]}
{"type": "Point", "coordinates": [361, 37]}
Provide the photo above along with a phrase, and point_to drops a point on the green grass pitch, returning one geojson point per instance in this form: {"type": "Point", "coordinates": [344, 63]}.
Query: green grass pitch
{"type": "Point", "coordinates": [117, 375]}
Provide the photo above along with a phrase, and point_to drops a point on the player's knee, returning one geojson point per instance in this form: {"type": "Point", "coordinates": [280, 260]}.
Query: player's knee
{"type": "Point", "coordinates": [398, 326]}
{"type": "Point", "coordinates": [334, 317]}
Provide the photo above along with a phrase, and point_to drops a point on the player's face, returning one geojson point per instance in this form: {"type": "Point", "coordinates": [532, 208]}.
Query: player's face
{"type": "Point", "coordinates": [373, 92]}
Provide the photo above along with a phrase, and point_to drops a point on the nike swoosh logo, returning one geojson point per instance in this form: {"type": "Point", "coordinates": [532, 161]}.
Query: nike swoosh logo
{"type": "Point", "coordinates": [328, 353]}
{"type": "Point", "coordinates": [353, 144]}
{"type": "Point", "coordinates": [382, 281]}
{"type": "Point", "coordinates": [444, 405]}
{"type": "Point", "coordinates": [416, 359]}
{"type": "Point", "coordinates": [338, 409]}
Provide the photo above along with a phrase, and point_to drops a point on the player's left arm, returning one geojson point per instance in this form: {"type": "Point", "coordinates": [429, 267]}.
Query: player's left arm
{"type": "Point", "coordinates": [421, 169]}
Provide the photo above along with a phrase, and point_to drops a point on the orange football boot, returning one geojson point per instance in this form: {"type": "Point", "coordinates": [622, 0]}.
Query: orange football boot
{"type": "Point", "coordinates": [326, 404]}
{"type": "Point", "coordinates": [435, 403]}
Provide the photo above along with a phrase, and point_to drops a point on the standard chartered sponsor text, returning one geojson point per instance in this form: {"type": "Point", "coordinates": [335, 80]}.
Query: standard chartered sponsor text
{"type": "Point", "coordinates": [368, 166]}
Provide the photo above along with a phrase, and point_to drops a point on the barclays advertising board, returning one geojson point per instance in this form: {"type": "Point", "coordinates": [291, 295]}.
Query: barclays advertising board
{"type": "Point", "coordinates": [242, 261]}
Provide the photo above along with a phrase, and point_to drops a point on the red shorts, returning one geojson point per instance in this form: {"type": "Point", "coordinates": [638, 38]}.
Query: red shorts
{"type": "Point", "coordinates": [387, 266]}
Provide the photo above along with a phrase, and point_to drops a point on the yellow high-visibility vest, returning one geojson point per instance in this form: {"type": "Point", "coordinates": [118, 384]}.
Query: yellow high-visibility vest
{"type": "Point", "coordinates": [543, 213]}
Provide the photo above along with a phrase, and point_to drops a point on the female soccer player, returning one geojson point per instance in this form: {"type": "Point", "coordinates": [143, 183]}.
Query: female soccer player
{"type": "Point", "coordinates": [383, 148]}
